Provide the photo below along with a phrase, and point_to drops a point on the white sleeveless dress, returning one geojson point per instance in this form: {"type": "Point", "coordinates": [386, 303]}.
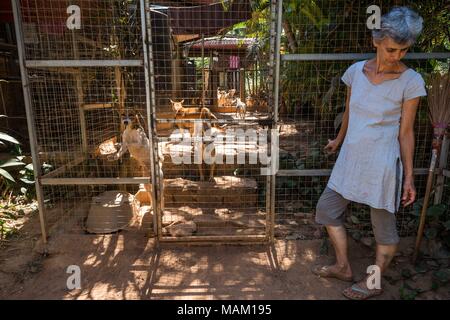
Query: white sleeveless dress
{"type": "Point", "coordinates": [369, 168]}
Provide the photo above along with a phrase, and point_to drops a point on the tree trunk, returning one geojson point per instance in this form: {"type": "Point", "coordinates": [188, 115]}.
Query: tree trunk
{"type": "Point", "coordinates": [290, 36]}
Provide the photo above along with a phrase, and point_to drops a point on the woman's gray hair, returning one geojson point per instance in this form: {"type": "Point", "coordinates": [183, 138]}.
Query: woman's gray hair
{"type": "Point", "coordinates": [401, 24]}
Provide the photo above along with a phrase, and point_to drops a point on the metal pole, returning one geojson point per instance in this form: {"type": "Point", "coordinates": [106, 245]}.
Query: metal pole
{"type": "Point", "coordinates": [270, 179]}
{"type": "Point", "coordinates": [81, 63]}
{"type": "Point", "coordinates": [359, 56]}
{"type": "Point", "coordinates": [203, 71]}
{"type": "Point", "coordinates": [276, 100]}
{"type": "Point", "coordinates": [151, 114]}
{"type": "Point", "coordinates": [30, 118]}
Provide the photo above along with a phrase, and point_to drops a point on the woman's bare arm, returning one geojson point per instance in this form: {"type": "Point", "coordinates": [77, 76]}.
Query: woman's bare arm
{"type": "Point", "coordinates": [343, 131]}
{"type": "Point", "coordinates": [407, 143]}
{"type": "Point", "coordinates": [333, 145]}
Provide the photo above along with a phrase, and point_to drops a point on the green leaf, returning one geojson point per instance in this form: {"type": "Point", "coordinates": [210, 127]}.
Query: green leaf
{"type": "Point", "coordinates": [406, 273]}
{"type": "Point", "coordinates": [29, 167]}
{"type": "Point", "coordinates": [6, 174]}
{"type": "Point", "coordinates": [431, 233]}
{"type": "Point", "coordinates": [443, 275]}
{"type": "Point", "coordinates": [417, 206]}
{"type": "Point", "coordinates": [356, 235]}
{"type": "Point", "coordinates": [25, 180]}
{"type": "Point", "coordinates": [7, 137]}
{"type": "Point", "coordinates": [421, 267]}
{"type": "Point", "coordinates": [446, 225]}
{"type": "Point", "coordinates": [437, 210]}
{"type": "Point", "coordinates": [11, 163]}
{"type": "Point", "coordinates": [354, 219]}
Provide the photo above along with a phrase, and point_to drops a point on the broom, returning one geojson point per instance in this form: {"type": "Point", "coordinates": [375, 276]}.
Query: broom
{"type": "Point", "coordinates": [439, 112]}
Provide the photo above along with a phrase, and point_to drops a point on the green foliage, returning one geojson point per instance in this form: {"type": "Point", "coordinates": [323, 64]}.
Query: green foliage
{"type": "Point", "coordinates": [437, 221]}
{"type": "Point", "coordinates": [16, 175]}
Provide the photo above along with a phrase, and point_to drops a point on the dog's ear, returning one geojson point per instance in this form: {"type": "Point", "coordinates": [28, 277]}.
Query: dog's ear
{"type": "Point", "coordinates": [182, 101]}
{"type": "Point", "coordinates": [171, 101]}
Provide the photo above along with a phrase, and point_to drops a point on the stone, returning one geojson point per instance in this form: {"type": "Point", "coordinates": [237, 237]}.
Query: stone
{"type": "Point", "coordinates": [432, 264]}
{"type": "Point", "coordinates": [183, 229]}
{"type": "Point", "coordinates": [367, 241]}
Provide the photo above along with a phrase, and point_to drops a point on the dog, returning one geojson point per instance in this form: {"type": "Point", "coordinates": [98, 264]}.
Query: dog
{"type": "Point", "coordinates": [224, 98]}
{"type": "Point", "coordinates": [205, 135]}
{"type": "Point", "coordinates": [198, 128]}
{"type": "Point", "coordinates": [191, 113]}
{"type": "Point", "coordinates": [136, 142]}
{"type": "Point", "coordinates": [221, 97]}
{"type": "Point", "coordinates": [241, 108]}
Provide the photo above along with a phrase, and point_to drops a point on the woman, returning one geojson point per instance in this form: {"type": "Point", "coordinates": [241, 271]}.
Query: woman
{"type": "Point", "coordinates": [377, 146]}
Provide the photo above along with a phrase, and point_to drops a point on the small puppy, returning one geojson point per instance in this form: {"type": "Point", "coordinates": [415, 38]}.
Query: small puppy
{"type": "Point", "coordinates": [241, 108]}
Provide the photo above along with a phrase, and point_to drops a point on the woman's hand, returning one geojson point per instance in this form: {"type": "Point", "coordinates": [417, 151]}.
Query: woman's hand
{"type": "Point", "coordinates": [332, 146]}
{"type": "Point", "coordinates": [409, 192]}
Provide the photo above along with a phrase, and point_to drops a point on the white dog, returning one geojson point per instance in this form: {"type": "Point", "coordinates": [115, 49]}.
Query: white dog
{"type": "Point", "coordinates": [137, 143]}
{"type": "Point", "coordinates": [241, 108]}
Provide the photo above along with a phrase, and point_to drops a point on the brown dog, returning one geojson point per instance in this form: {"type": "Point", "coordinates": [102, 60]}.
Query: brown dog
{"type": "Point", "coordinates": [196, 129]}
{"type": "Point", "coordinates": [191, 113]}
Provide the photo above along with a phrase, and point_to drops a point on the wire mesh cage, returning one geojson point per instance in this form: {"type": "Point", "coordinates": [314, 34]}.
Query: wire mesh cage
{"type": "Point", "coordinates": [322, 39]}
{"type": "Point", "coordinates": [119, 91]}
{"type": "Point", "coordinates": [212, 88]}
{"type": "Point", "coordinates": [178, 104]}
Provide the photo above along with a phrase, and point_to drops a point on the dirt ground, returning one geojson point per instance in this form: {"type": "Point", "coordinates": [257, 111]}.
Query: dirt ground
{"type": "Point", "coordinates": [128, 265]}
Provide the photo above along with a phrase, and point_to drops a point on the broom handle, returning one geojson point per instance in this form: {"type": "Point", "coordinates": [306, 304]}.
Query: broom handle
{"type": "Point", "coordinates": [425, 203]}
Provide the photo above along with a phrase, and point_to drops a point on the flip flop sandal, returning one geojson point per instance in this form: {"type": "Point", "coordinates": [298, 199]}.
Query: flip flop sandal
{"type": "Point", "coordinates": [326, 272]}
{"type": "Point", "coordinates": [357, 293]}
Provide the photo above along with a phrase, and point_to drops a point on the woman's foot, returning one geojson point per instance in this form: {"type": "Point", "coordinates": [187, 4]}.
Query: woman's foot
{"type": "Point", "coordinates": [359, 291]}
{"type": "Point", "coordinates": [343, 273]}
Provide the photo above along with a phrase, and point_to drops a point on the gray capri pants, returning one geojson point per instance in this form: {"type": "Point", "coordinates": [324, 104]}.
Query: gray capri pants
{"type": "Point", "coordinates": [330, 211]}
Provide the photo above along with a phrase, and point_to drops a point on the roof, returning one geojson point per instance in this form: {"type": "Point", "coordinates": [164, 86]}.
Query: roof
{"type": "Point", "coordinates": [221, 43]}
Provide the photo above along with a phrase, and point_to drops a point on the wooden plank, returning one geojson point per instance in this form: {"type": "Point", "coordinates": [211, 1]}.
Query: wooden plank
{"type": "Point", "coordinates": [94, 106]}
{"type": "Point", "coordinates": [94, 181]}
{"type": "Point", "coordinates": [63, 168]}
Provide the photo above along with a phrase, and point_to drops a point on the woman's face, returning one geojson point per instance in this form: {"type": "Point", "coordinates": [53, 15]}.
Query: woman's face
{"type": "Point", "coordinates": [389, 51]}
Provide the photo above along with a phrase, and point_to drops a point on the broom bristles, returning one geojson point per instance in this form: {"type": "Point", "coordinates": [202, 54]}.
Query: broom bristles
{"type": "Point", "coordinates": [439, 100]}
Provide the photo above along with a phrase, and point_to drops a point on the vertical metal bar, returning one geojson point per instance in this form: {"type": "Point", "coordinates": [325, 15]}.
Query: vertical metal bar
{"type": "Point", "coordinates": [442, 164]}
{"type": "Point", "coordinates": [30, 117]}
{"type": "Point", "coordinates": [203, 71]}
{"type": "Point", "coordinates": [279, 13]}
{"type": "Point", "coordinates": [269, 178]}
{"type": "Point", "coordinates": [80, 98]}
{"type": "Point", "coordinates": [150, 103]}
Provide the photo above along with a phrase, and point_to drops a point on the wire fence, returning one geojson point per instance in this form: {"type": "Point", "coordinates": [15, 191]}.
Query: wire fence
{"type": "Point", "coordinates": [206, 70]}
